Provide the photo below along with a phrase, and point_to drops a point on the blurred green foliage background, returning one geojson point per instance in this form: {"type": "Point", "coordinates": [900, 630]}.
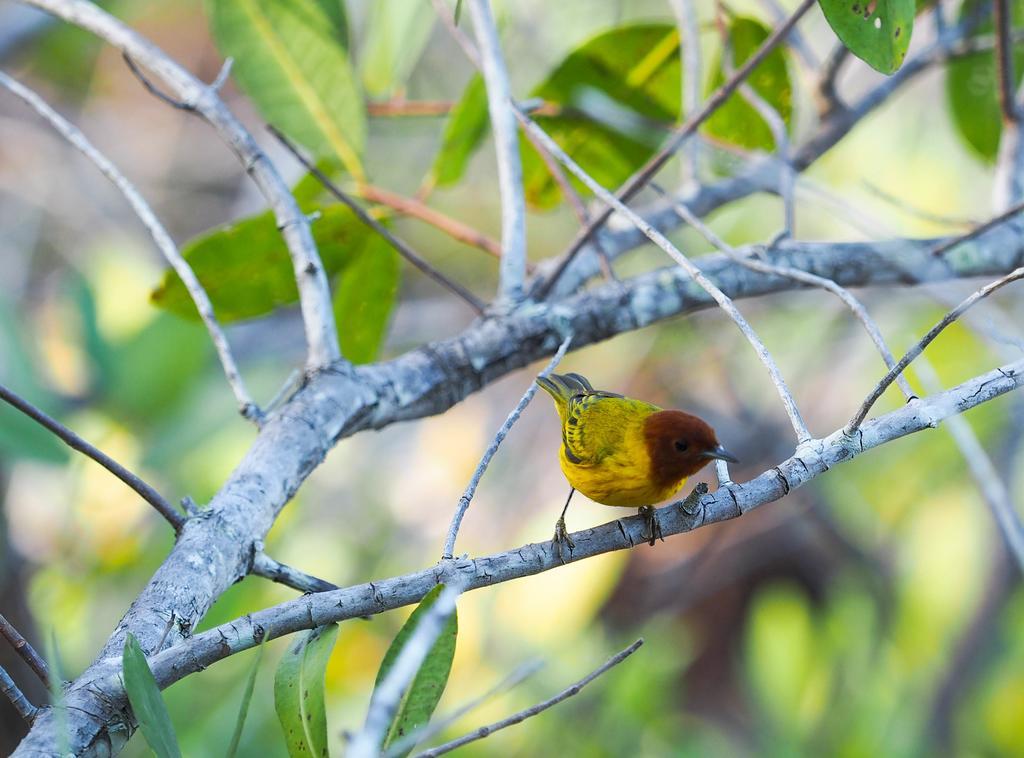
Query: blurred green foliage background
{"type": "Point", "coordinates": [872, 612]}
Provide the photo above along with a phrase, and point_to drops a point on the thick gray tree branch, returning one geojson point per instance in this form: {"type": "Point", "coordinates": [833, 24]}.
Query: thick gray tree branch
{"type": "Point", "coordinates": [214, 549]}
{"type": "Point", "coordinates": [99, 693]}
{"type": "Point", "coordinates": [314, 294]}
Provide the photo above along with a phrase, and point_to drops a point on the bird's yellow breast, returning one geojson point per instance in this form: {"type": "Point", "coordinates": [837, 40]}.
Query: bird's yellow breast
{"type": "Point", "coordinates": [623, 477]}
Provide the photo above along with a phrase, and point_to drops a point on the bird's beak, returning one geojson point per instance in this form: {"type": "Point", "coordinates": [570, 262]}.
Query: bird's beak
{"type": "Point", "coordinates": [721, 454]}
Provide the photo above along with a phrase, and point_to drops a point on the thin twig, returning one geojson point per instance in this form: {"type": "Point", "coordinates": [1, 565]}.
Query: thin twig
{"type": "Point", "coordinates": [805, 277]}
{"type": "Point", "coordinates": [917, 349]}
{"type": "Point", "coordinates": [163, 240]}
{"type": "Point", "coordinates": [24, 650]}
{"type": "Point", "coordinates": [265, 566]}
{"type": "Point", "coordinates": [1004, 60]}
{"type": "Point", "coordinates": [436, 726]}
{"type": "Point", "coordinates": [401, 107]}
{"type": "Point", "coordinates": [659, 239]}
{"type": "Point", "coordinates": [685, 12]}
{"type": "Point", "coordinates": [990, 483]}
{"type": "Point", "coordinates": [796, 39]}
{"type": "Point", "coordinates": [21, 703]}
{"type": "Point", "coordinates": [467, 496]}
{"type": "Point", "coordinates": [828, 99]}
{"type": "Point", "coordinates": [75, 442]}
{"type": "Point", "coordinates": [460, 37]}
{"type": "Point", "coordinates": [521, 716]}
{"type": "Point", "coordinates": [388, 694]}
{"type": "Point", "coordinates": [311, 280]}
{"type": "Point", "coordinates": [649, 169]}
{"type": "Point", "coordinates": [978, 230]}
{"type": "Point", "coordinates": [403, 249]}
{"type": "Point", "coordinates": [902, 204]}
{"type": "Point", "coordinates": [414, 208]}
{"type": "Point", "coordinates": [512, 276]}
{"type": "Point", "coordinates": [575, 202]}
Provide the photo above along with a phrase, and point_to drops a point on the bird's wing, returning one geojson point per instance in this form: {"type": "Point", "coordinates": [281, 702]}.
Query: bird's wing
{"type": "Point", "coordinates": [596, 422]}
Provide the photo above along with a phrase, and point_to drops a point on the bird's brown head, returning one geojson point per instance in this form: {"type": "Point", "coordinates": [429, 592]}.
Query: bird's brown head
{"type": "Point", "coordinates": [680, 445]}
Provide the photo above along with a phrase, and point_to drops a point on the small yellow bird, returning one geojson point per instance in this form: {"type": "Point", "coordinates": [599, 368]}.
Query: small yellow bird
{"type": "Point", "coordinates": [625, 452]}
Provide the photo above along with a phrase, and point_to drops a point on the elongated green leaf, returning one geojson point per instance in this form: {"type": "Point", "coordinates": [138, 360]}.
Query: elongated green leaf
{"type": "Point", "coordinates": [299, 692]}
{"type": "Point", "coordinates": [465, 129]}
{"type": "Point", "coordinates": [876, 31]}
{"type": "Point", "coordinates": [737, 121]}
{"type": "Point", "coordinates": [289, 61]}
{"type": "Point", "coordinates": [243, 708]}
{"type": "Point", "coordinates": [395, 35]}
{"type": "Point", "coordinates": [971, 87]}
{"type": "Point", "coordinates": [363, 299]}
{"type": "Point", "coordinates": [421, 698]}
{"type": "Point", "coordinates": [620, 94]}
{"type": "Point", "coordinates": [147, 703]}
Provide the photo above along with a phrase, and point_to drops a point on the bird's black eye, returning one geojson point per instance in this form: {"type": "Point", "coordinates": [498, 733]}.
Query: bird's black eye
{"type": "Point", "coordinates": [681, 445]}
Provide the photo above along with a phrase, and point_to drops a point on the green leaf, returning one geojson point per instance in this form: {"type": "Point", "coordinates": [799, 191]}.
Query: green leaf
{"type": "Point", "coordinates": [425, 691]}
{"type": "Point", "coordinates": [147, 703]}
{"type": "Point", "coordinates": [395, 35]}
{"type": "Point", "coordinates": [971, 87]}
{"type": "Point", "coordinates": [736, 121]}
{"type": "Point", "coordinates": [289, 61]}
{"type": "Point", "coordinates": [243, 708]}
{"type": "Point", "coordinates": [876, 31]}
{"type": "Point", "coordinates": [153, 370]}
{"type": "Point", "coordinates": [463, 132]}
{"type": "Point", "coordinates": [299, 692]}
{"type": "Point", "coordinates": [246, 269]}
{"type": "Point", "coordinates": [620, 95]}
{"type": "Point", "coordinates": [363, 299]}
{"type": "Point", "coordinates": [335, 12]}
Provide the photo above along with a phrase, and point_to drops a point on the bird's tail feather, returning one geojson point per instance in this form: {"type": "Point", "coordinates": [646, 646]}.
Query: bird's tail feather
{"type": "Point", "coordinates": [562, 387]}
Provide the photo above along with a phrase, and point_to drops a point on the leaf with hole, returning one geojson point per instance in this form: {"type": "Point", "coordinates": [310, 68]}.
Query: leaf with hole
{"type": "Point", "coordinates": [420, 700]}
{"type": "Point", "coordinates": [299, 692]}
{"type": "Point", "coordinates": [971, 86]}
{"type": "Point", "coordinates": [289, 60]}
{"type": "Point", "coordinates": [147, 702]}
{"type": "Point", "coordinates": [736, 121]}
{"type": "Point", "coordinates": [876, 31]}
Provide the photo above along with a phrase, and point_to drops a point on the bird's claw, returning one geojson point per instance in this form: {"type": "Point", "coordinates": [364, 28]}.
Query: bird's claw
{"type": "Point", "coordinates": [652, 526]}
{"type": "Point", "coordinates": [562, 537]}
{"type": "Point", "coordinates": [691, 504]}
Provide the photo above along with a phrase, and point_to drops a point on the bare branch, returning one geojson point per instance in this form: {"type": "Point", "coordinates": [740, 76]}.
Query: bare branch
{"type": "Point", "coordinates": [265, 566]}
{"type": "Point", "coordinates": [506, 145]}
{"type": "Point", "coordinates": [75, 442]}
{"type": "Point", "coordinates": [1004, 60]}
{"type": "Point", "coordinates": [467, 496]}
{"type": "Point", "coordinates": [403, 249]}
{"type": "Point", "coordinates": [163, 240]}
{"type": "Point", "coordinates": [685, 12]}
{"type": "Point", "coordinates": [416, 209]}
{"type": "Point", "coordinates": [314, 294]}
{"type": "Point", "coordinates": [990, 483]}
{"type": "Point", "coordinates": [21, 704]}
{"type": "Point", "coordinates": [828, 98]}
{"type": "Point", "coordinates": [647, 172]}
{"type": "Point", "coordinates": [400, 107]}
{"type": "Point", "coordinates": [977, 231]}
{"type": "Point", "coordinates": [24, 650]}
{"type": "Point", "coordinates": [797, 275]}
{"type": "Point", "coordinates": [388, 694]}
{"type": "Point", "coordinates": [521, 716]}
{"type": "Point", "coordinates": [934, 332]}
{"type": "Point", "coordinates": [723, 300]}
